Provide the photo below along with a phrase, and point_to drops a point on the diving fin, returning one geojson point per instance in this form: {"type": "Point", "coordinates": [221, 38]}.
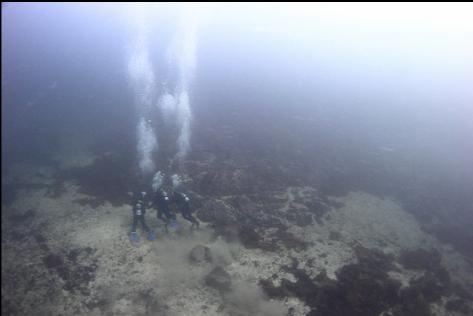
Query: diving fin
{"type": "Point", "coordinates": [134, 238]}
{"type": "Point", "coordinates": [173, 226]}
{"type": "Point", "coordinates": [151, 235]}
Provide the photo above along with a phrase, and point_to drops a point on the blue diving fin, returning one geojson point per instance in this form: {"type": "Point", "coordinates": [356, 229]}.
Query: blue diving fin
{"type": "Point", "coordinates": [173, 225]}
{"type": "Point", "coordinates": [134, 238]}
{"type": "Point", "coordinates": [151, 235]}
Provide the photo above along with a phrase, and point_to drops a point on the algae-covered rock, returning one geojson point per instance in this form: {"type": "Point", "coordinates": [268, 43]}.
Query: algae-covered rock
{"type": "Point", "coordinates": [200, 254]}
{"type": "Point", "coordinates": [219, 279]}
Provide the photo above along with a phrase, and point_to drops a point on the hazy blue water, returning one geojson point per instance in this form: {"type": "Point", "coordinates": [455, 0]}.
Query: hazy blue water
{"type": "Point", "coordinates": [312, 84]}
{"type": "Point", "coordinates": [241, 98]}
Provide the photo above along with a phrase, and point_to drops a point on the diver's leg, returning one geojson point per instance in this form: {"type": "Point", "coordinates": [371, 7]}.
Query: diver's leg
{"type": "Point", "coordinates": [160, 215]}
{"type": "Point", "coordinates": [188, 216]}
{"type": "Point", "coordinates": [134, 237]}
{"type": "Point", "coordinates": [171, 219]}
{"type": "Point", "coordinates": [143, 224]}
{"type": "Point", "coordinates": [170, 215]}
{"type": "Point", "coordinates": [135, 222]}
{"type": "Point", "coordinates": [195, 222]}
{"type": "Point", "coordinates": [149, 233]}
{"type": "Point", "coordinates": [165, 220]}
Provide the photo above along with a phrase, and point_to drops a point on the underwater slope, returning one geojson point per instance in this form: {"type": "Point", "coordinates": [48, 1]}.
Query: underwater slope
{"type": "Point", "coordinates": [276, 240]}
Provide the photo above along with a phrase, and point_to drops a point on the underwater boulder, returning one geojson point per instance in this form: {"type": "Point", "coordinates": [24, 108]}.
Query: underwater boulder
{"type": "Point", "coordinates": [219, 279]}
{"type": "Point", "coordinates": [216, 212]}
{"type": "Point", "coordinates": [200, 254]}
{"type": "Point", "coordinates": [421, 259]}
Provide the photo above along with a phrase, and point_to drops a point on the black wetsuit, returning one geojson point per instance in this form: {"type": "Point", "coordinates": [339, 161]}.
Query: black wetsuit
{"type": "Point", "coordinates": [161, 202]}
{"type": "Point", "coordinates": [139, 210]}
{"type": "Point", "coordinates": [183, 204]}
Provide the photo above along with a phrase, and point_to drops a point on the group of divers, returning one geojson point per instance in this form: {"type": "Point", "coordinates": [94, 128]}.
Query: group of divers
{"type": "Point", "coordinates": [164, 199]}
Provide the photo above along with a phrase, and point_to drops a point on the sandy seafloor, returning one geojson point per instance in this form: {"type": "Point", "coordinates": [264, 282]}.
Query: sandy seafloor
{"type": "Point", "coordinates": [67, 257]}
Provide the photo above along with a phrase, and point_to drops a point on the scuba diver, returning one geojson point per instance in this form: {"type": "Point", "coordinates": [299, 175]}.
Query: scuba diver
{"type": "Point", "coordinates": [183, 205]}
{"type": "Point", "coordinates": [163, 211]}
{"type": "Point", "coordinates": [182, 202]}
{"type": "Point", "coordinates": [139, 203]}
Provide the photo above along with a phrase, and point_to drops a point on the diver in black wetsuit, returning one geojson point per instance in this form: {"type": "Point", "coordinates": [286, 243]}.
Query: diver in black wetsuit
{"type": "Point", "coordinates": [139, 203]}
{"type": "Point", "coordinates": [182, 201]}
{"type": "Point", "coordinates": [183, 204]}
{"type": "Point", "coordinates": [161, 202]}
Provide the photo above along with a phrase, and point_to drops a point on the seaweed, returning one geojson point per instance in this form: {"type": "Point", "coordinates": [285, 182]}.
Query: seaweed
{"type": "Point", "coordinates": [363, 288]}
{"type": "Point", "coordinates": [251, 239]}
{"type": "Point", "coordinates": [73, 268]}
{"type": "Point", "coordinates": [299, 217]}
{"type": "Point", "coordinates": [334, 235]}
{"type": "Point", "coordinates": [9, 193]}
{"type": "Point", "coordinates": [420, 259]}
{"type": "Point", "coordinates": [290, 241]}
{"type": "Point", "coordinates": [107, 179]}
{"type": "Point", "coordinates": [18, 218]}
{"type": "Point", "coordinates": [93, 202]}
{"type": "Point", "coordinates": [458, 305]}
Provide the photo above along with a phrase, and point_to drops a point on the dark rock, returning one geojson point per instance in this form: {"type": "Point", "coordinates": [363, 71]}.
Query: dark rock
{"type": "Point", "coordinates": [219, 279]}
{"type": "Point", "coordinates": [216, 212]}
{"type": "Point", "coordinates": [249, 237]}
{"type": "Point", "coordinates": [53, 261]}
{"type": "Point", "coordinates": [244, 204]}
{"type": "Point", "coordinates": [443, 276]}
{"type": "Point", "coordinates": [104, 180]}
{"type": "Point", "coordinates": [319, 221]}
{"type": "Point", "coordinates": [17, 235]}
{"type": "Point", "coordinates": [318, 208]}
{"type": "Point", "coordinates": [335, 204]}
{"type": "Point", "coordinates": [273, 291]}
{"type": "Point", "coordinates": [304, 287]}
{"type": "Point", "coordinates": [289, 240]}
{"type": "Point", "coordinates": [200, 254]}
{"type": "Point", "coordinates": [336, 184]}
{"type": "Point", "coordinates": [252, 239]}
{"type": "Point", "coordinates": [79, 254]}
{"type": "Point", "coordinates": [8, 307]}
{"type": "Point", "coordinates": [100, 303]}
{"type": "Point", "coordinates": [374, 259]}
{"type": "Point", "coordinates": [429, 286]}
{"type": "Point", "coordinates": [225, 179]}
{"type": "Point", "coordinates": [362, 289]}
{"type": "Point", "coordinates": [367, 291]}
{"type": "Point", "coordinates": [335, 235]}
{"type": "Point", "coordinates": [56, 190]}
{"type": "Point", "coordinates": [420, 259]}
{"type": "Point", "coordinates": [41, 242]}
{"type": "Point", "coordinates": [460, 291]}
{"type": "Point", "coordinates": [39, 238]}
{"type": "Point", "coordinates": [412, 304]}
{"type": "Point", "coordinates": [299, 217]}
{"type": "Point", "coordinates": [77, 278]}
{"type": "Point", "coordinates": [153, 303]}
{"type": "Point", "coordinates": [73, 254]}
{"type": "Point", "coordinates": [461, 238]}
{"type": "Point", "coordinates": [89, 250]}
{"type": "Point", "coordinates": [75, 274]}
{"type": "Point", "coordinates": [93, 202]}
{"type": "Point", "coordinates": [436, 280]}
{"type": "Point", "coordinates": [9, 192]}
{"type": "Point", "coordinates": [291, 311]}
{"type": "Point", "coordinates": [228, 232]}
{"type": "Point", "coordinates": [19, 218]}
{"type": "Point", "coordinates": [458, 305]}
